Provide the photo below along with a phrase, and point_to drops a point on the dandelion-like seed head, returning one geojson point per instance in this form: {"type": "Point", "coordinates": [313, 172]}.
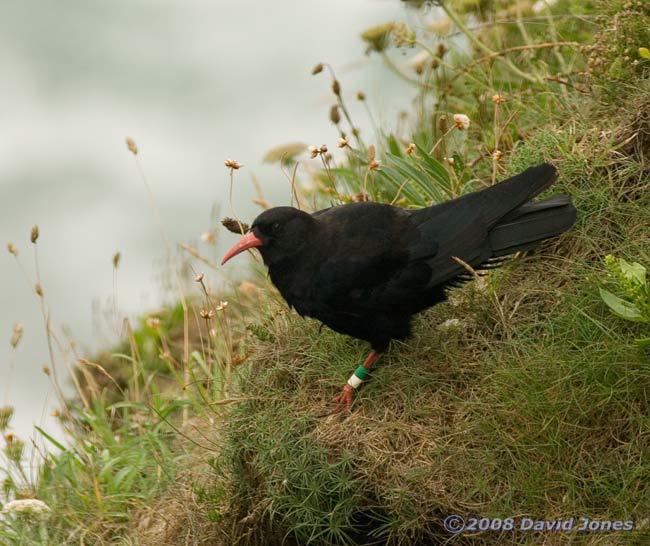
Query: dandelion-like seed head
{"type": "Point", "coordinates": [461, 121]}
{"type": "Point", "coordinates": [131, 146]}
{"type": "Point", "coordinates": [12, 249]}
{"type": "Point", "coordinates": [498, 98]}
{"type": "Point", "coordinates": [199, 277]}
{"type": "Point", "coordinates": [410, 149]}
{"type": "Point", "coordinates": [33, 237]}
{"type": "Point", "coordinates": [361, 95]}
{"type": "Point", "coordinates": [46, 369]}
{"type": "Point", "coordinates": [222, 305]}
{"type": "Point", "coordinates": [344, 142]}
{"type": "Point", "coordinates": [313, 152]}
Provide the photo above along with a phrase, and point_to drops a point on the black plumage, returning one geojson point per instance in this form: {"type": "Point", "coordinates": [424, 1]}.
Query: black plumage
{"type": "Point", "coordinates": [364, 269]}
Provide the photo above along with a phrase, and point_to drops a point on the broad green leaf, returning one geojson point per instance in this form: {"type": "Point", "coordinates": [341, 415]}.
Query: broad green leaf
{"type": "Point", "coordinates": [634, 271]}
{"type": "Point", "coordinates": [622, 308]}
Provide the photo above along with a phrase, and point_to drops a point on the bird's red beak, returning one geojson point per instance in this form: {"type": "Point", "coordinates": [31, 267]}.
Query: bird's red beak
{"type": "Point", "coordinates": [246, 242]}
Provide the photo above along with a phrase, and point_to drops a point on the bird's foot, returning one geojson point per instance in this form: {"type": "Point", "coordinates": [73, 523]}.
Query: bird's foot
{"type": "Point", "coordinates": [343, 400]}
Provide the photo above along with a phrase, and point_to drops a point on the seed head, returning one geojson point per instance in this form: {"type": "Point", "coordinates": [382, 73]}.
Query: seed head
{"type": "Point", "coordinates": [449, 161]}
{"type": "Point", "coordinates": [335, 116]}
{"type": "Point", "coordinates": [46, 369]}
{"type": "Point", "coordinates": [199, 277]}
{"type": "Point", "coordinates": [374, 165]}
{"type": "Point", "coordinates": [317, 69]}
{"type": "Point", "coordinates": [344, 142]}
{"type": "Point", "coordinates": [234, 226]}
{"type": "Point", "coordinates": [322, 149]}
{"type": "Point", "coordinates": [313, 152]}
{"type": "Point", "coordinates": [419, 68]}
{"type": "Point", "coordinates": [131, 145]}
{"type": "Point", "coordinates": [336, 88]}
{"type": "Point", "coordinates": [361, 95]}
{"type": "Point", "coordinates": [39, 289]}
{"type": "Point", "coordinates": [16, 335]}
{"type": "Point", "coordinates": [498, 98]}
{"type": "Point", "coordinates": [222, 305]}
{"type": "Point", "coordinates": [14, 447]}
{"type": "Point", "coordinates": [116, 259]}
{"type": "Point", "coordinates": [461, 121]}
{"type": "Point", "coordinates": [208, 237]}
{"type": "Point", "coordinates": [410, 149]}
{"type": "Point", "coordinates": [12, 249]}
{"type": "Point", "coordinates": [441, 50]}
{"type": "Point", "coordinates": [6, 413]}
{"type": "Point", "coordinates": [360, 197]}
{"type": "Point", "coordinates": [232, 164]}
{"type": "Point", "coordinates": [435, 63]}
{"type": "Point", "coordinates": [403, 35]}
{"type": "Point", "coordinates": [371, 153]}
{"type": "Point", "coordinates": [34, 234]}
{"type": "Point", "coordinates": [497, 154]}
{"type": "Point", "coordinates": [377, 37]}
{"type": "Point", "coordinates": [206, 314]}
{"type": "Point", "coordinates": [27, 508]}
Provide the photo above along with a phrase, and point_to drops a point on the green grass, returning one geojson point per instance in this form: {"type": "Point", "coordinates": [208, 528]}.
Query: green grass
{"type": "Point", "coordinates": [537, 404]}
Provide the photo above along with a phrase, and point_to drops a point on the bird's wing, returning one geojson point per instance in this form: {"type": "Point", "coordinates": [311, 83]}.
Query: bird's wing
{"type": "Point", "coordinates": [364, 250]}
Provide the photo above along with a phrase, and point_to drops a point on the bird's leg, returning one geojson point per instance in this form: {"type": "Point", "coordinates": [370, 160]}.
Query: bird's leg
{"type": "Point", "coordinates": [347, 394]}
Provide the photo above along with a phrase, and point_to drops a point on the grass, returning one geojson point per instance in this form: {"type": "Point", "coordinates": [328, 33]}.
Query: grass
{"type": "Point", "coordinates": [522, 396]}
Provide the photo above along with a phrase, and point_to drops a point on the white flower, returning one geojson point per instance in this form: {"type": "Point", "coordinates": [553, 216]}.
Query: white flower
{"type": "Point", "coordinates": [28, 507]}
{"type": "Point", "coordinates": [461, 121]}
{"type": "Point", "coordinates": [450, 324]}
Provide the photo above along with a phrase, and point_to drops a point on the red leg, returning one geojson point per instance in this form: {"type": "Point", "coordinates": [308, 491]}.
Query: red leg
{"type": "Point", "coordinates": [344, 400]}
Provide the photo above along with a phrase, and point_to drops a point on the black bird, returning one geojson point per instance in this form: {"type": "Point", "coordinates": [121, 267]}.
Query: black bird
{"type": "Point", "coordinates": [364, 269]}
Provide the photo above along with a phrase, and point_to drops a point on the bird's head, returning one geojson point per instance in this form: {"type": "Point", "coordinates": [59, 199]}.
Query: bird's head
{"type": "Point", "coordinates": [278, 233]}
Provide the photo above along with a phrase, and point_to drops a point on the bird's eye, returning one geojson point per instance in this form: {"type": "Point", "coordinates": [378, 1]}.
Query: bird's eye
{"type": "Point", "coordinates": [275, 226]}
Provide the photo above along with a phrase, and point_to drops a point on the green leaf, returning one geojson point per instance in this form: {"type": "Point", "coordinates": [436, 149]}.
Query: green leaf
{"type": "Point", "coordinates": [50, 438]}
{"type": "Point", "coordinates": [644, 52]}
{"type": "Point", "coordinates": [622, 308]}
{"type": "Point", "coordinates": [633, 271]}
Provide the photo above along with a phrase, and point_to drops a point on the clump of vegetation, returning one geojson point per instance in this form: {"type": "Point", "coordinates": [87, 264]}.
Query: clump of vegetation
{"type": "Point", "coordinates": [522, 396]}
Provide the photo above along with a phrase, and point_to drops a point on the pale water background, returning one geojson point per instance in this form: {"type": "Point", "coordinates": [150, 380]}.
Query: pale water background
{"type": "Point", "coordinates": [193, 82]}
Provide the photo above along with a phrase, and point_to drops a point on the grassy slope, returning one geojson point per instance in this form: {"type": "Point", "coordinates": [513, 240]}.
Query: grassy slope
{"type": "Point", "coordinates": [536, 405]}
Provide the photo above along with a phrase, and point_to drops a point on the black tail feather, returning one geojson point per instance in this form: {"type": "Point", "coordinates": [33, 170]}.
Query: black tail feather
{"type": "Point", "coordinates": [526, 226]}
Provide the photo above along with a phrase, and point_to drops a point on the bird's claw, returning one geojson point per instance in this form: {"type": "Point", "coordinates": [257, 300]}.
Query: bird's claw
{"type": "Point", "coordinates": [343, 400]}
